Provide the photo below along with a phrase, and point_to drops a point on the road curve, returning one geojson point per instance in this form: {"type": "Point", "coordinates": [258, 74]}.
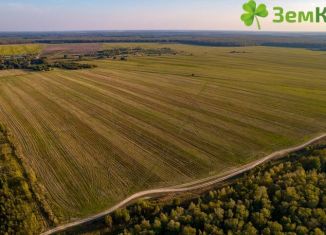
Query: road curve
{"type": "Point", "coordinates": [200, 184]}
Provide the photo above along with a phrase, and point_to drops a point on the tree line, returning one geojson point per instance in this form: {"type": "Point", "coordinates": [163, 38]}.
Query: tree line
{"type": "Point", "coordinates": [39, 64]}
{"type": "Point", "coordinates": [124, 52]}
{"type": "Point", "coordinates": [24, 206]}
{"type": "Point", "coordinates": [18, 211]}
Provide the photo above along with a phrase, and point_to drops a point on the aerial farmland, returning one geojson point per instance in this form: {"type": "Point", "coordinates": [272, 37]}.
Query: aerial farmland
{"type": "Point", "coordinates": [95, 136]}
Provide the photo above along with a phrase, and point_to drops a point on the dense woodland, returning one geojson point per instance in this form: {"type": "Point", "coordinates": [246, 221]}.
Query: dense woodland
{"type": "Point", "coordinates": [18, 212]}
{"type": "Point", "coordinates": [286, 197]}
{"type": "Point", "coordinates": [207, 38]}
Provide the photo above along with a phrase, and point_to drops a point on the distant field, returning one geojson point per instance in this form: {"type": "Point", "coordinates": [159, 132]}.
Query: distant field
{"type": "Point", "coordinates": [95, 136]}
{"type": "Point", "coordinates": [55, 50]}
{"type": "Point", "coordinates": [133, 45]}
{"type": "Point", "coordinates": [20, 49]}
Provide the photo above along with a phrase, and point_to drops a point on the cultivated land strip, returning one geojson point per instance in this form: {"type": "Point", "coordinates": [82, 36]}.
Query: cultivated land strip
{"type": "Point", "coordinates": [196, 185]}
{"type": "Point", "coordinates": [19, 49]}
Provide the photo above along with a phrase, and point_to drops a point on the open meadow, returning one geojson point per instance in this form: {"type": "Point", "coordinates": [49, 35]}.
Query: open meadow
{"type": "Point", "coordinates": [95, 136]}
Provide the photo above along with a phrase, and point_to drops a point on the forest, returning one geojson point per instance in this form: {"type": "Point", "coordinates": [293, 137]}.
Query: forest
{"type": "Point", "coordinates": [24, 208]}
{"type": "Point", "coordinates": [18, 212]}
{"type": "Point", "coordinates": [207, 38]}
{"type": "Point", "coordinates": [284, 197]}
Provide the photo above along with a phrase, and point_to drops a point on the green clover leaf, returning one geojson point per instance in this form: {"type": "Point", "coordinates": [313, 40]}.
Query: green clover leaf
{"type": "Point", "coordinates": [253, 12]}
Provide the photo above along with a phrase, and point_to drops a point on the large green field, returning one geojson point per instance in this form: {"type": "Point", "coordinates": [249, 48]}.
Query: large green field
{"type": "Point", "coordinates": [95, 136]}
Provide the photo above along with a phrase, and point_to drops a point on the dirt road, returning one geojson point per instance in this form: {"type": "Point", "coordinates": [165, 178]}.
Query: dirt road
{"type": "Point", "coordinates": [196, 185]}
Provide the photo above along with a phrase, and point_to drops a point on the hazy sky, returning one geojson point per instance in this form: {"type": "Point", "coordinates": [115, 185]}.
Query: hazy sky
{"type": "Point", "coordinates": [56, 15]}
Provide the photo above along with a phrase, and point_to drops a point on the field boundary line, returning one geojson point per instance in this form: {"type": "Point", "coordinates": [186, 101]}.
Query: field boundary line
{"type": "Point", "coordinates": [195, 185]}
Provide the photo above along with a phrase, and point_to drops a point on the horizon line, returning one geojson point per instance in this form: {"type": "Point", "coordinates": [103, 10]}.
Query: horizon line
{"type": "Point", "coordinates": [155, 30]}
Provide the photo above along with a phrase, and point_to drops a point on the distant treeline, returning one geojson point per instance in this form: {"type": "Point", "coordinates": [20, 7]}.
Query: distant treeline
{"type": "Point", "coordinates": [198, 42]}
{"type": "Point", "coordinates": [190, 42]}
{"type": "Point", "coordinates": [205, 38]}
{"type": "Point", "coordinates": [123, 52]}
{"type": "Point", "coordinates": [38, 64]}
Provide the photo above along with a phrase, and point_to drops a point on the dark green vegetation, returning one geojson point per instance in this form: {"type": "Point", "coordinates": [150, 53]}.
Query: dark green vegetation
{"type": "Point", "coordinates": [24, 207]}
{"type": "Point", "coordinates": [206, 38]}
{"type": "Point", "coordinates": [71, 65]}
{"type": "Point", "coordinates": [19, 213]}
{"type": "Point", "coordinates": [283, 197]}
{"type": "Point", "coordinates": [23, 62]}
{"type": "Point", "coordinates": [69, 61]}
{"type": "Point", "coordinates": [123, 52]}
{"type": "Point", "coordinates": [38, 64]}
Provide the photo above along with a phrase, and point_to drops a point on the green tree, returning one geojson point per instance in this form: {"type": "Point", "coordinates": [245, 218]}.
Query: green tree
{"type": "Point", "coordinates": [173, 226]}
{"type": "Point", "coordinates": [188, 230]}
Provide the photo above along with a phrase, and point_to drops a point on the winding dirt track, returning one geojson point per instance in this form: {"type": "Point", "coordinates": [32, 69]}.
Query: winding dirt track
{"type": "Point", "coordinates": [200, 184]}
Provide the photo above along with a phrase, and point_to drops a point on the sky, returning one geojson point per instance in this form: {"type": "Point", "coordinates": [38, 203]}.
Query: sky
{"type": "Point", "coordinates": [65, 15]}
